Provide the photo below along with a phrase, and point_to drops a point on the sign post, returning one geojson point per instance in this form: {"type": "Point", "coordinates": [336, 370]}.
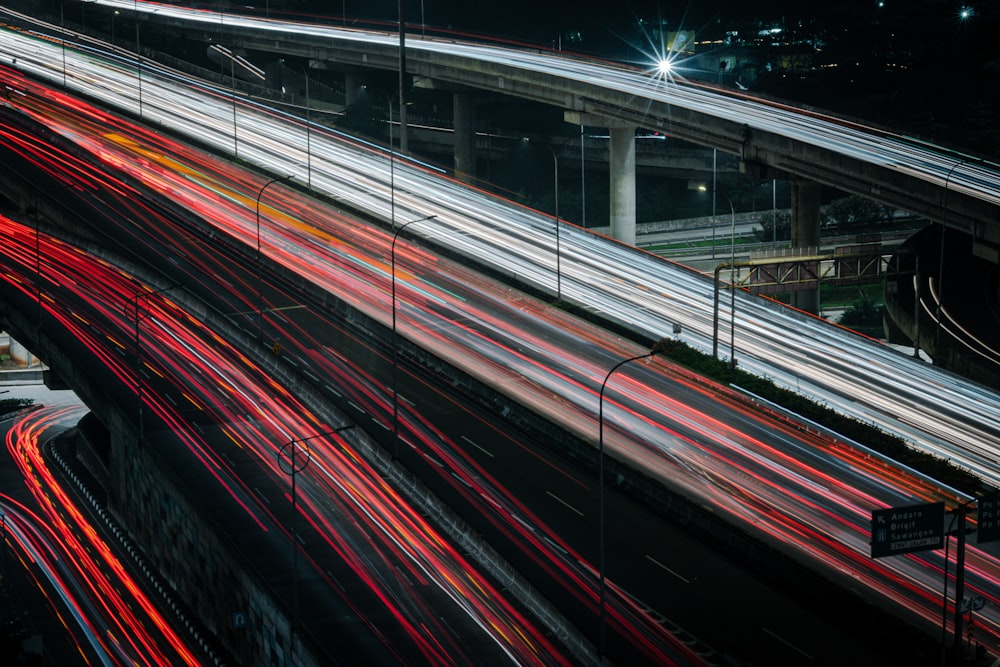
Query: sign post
{"type": "Point", "coordinates": [901, 530]}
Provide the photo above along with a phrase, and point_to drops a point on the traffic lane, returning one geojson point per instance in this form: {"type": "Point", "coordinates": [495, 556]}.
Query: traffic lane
{"type": "Point", "coordinates": [26, 593]}
{"type": "Point", "coordinates": [105, 312]}
{"type": "Point", "coordinates": [715, 599]}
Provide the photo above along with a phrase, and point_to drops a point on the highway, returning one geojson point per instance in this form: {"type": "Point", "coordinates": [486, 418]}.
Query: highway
{"type": "Point", "coordinates": [401, 593]}
{"type": "Point", "coordinates": [693, 442]}
{"type": "Point", "coordinates": [543, 532]}
{"type": "Point", "coordinates": [114, 620]}
{"type": "Point", "coordinates": [838, 351]}
{"type": "Point", "coordinates": [931, 410]}
{"type": "Point", "coordinates": [203, 269]}
{"type": "Point", "coordinates": [959, 172]}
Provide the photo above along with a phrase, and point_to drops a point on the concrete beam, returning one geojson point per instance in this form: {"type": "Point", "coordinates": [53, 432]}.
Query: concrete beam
{"type": "Point", "coordinates": [274, 71]}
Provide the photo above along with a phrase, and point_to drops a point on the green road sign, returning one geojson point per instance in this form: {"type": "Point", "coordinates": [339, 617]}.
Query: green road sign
{"type": "Point", "coordinates": [988, 519]}
{"type": "Point", "coordinates": [900, 530]}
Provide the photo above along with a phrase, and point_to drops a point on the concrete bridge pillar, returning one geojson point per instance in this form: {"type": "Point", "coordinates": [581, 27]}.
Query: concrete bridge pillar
{"type": "Point", "coordinates": [805, 233]}
{"type": "Point", "coordinates": [465, 136]}
{"type": "Point", "coordinates": [353, 82]}
{"type": "Point", "coordinates": [274, 74]}
{"type": "Point", "coordinates": [21, 355]}
{"type": "Point", "coordinates": [622, 171]}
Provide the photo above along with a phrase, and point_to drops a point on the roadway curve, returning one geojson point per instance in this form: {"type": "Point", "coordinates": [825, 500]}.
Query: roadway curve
{"type": "Point", "coordinates": [676, 439]}
{"type": "Point", "coordinates": [933, 411]}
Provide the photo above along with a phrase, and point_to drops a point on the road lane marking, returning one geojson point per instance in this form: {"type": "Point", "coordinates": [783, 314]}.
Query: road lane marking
{"type": "Point", "coordinates": [488, 453]}
{"type": "Point", "coordinates": [787, 643]}
{"type": "Point", "coordinates": [656, 562]}
{"type": "Point", "coordinates": [557, 498]}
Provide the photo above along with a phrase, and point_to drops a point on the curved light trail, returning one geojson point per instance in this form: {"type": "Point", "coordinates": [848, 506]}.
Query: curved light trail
{"type": "Point", "coordinates": [392, 550]}
{"type": "Point", "coordinates": [822, 515]}
{"type": "Point", "coordinates": [118, 620]}
{"type": "Point", "coordinates": [933, 411]}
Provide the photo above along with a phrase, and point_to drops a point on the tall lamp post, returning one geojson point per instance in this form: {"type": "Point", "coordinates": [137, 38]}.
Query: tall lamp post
{"type": "Point", "coordinates": [715, 157]}
{"type": "Point", "coordinates": [288, 451]}
{"type": "Point", "coordinates": [555, 167]}
{"type": "Point", "coordinates": [260, 261]}
{"type": "Point", "coordinates": [600, 485]}
{"type": "Point", "coordinates": [732, 281]}
{"type": "Point", "coordinates": [305, 74]}
{"type": "Point", "coordinates": [395, 340]}
{"type": "Point", "coordinates": [138, 55]}
{"type": "Point", "coordinates": [555, 178]}
{"type": "Point", "coordinates": [392, 168]}
{"type": "Point", "coordinates": [62, 38]}
{"type": "Point", "coordinates": [38, 256]}
{"type": "Point", "coordinates": [138, 350]}
{"type": "Point", "coordinates": [403, 145]}
{"type": "Point", "coordinates": [940, 276]}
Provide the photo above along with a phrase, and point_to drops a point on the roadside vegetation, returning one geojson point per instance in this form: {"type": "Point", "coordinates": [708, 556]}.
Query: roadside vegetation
{"type": "Point", "coordinates": [865, 434]}
{"type": "Point", "coordinates": [9, 406]}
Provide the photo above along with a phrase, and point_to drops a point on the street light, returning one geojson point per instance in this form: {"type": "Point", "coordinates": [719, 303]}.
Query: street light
{"type": "Point", "coordinates": [392, 168]}
{"type": "Point", "coordinates": [305, 74]}
{"type": "Point", "coordinates": [138, 55]}
{"type": "Point", "coordinates": [38, 256]}
{"type": "Point", "coordinates": [403, 145]}
{"type": "Point", "coordinates": [600, 480]}
{"type": "Point", "coordinates": [395, 345]}
{"type": "Point", "coordinates": [288, 451]}
{"type": "Point", "coordinates": [138, 349]}
{"type": "Point", "coordinates": [732, 281]}
{"type": "Point", "coordinates": [555, 167]}
{"type": "Point", "coordinates": [62, 38]}
{"type": "Point", "coordinates": [260, 262]}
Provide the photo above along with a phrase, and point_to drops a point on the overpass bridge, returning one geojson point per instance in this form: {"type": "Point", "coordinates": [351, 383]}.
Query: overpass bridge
{"type": "Point", "coordinates": [647, 297]}
{"type": "Point", "coordinates": [771, 140]}
{"type": "Point", "coordinates": [232, 254]}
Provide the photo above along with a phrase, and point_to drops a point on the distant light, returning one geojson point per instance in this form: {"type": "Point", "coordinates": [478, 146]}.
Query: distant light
{"type": "Point", "coordinates": [965, 13]}
{"type": "Point", "coordinates": [665, 67]}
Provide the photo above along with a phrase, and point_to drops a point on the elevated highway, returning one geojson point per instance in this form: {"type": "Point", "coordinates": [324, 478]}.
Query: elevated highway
{"type": "Point", "coordinates": [771, 139]}
{"type": "Point", "coordinates": [600, 269]}
{"type": "Point", "coordinates": [312, 337]}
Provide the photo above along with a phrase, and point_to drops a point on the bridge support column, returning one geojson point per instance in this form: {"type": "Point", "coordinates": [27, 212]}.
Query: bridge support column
{"type": "Point", "coordinates": [622, 171]}
{"type": "Point", "coordinates": [352, 88]}
{"type": "Point", "coordinates": [805, 233]}
{"type": "Point", "coordinates": [465, 150]}
{"type": "Point", "coordinates": [274, 74]}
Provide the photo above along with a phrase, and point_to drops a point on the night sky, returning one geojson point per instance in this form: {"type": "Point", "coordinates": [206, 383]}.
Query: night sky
{"type": "Point", "coordinates": [912, 65]}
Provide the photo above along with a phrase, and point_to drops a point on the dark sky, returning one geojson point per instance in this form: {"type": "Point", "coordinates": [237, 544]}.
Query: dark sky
{"type": "Point", "coordinates": [528, 16]}
{"type": "Point", "coordinates": [542, 20]}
